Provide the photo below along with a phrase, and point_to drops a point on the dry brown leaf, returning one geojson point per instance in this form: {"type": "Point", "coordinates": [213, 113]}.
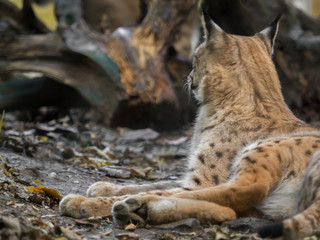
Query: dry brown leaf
{"type": "Point", "coordinates": [21, 181]}
{"type": "Point", "coordinates": [111, 155]}
{"type": "Point", "coordinates": [82, 222]}
{"type": "Point", "coordinates": [106, 233]}
{"type": "Point", "coordinates": [137, 173]}
{"type": "Point", "coordinates": [11, 202]}
{"type": "Point", "coordinates": [39, 223]}
{"type": "Point", "coordinates": [69, 234]}
{"type": "Point", "coordinates": [125, 236]}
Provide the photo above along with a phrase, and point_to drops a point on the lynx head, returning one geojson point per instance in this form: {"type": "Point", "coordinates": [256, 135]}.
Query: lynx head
{"type": "Point", "coordinates": [230, 67]}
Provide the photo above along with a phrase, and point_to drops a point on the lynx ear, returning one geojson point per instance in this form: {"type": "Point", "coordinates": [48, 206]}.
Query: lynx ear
{"type": "Point", "coordinates": [271, 31]}
{"type": "Point", "coordinates": [211, 29]}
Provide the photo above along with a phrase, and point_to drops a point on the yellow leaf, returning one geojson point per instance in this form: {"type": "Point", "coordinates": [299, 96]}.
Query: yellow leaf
{"type": "Point", "coordinates": [5, 169]}
{"type": "Point", "coordinates": [37, 181]}
{"type": "Point", "coordinates": [52, 193]}
{"type": "Point", "coordinates": [130, 227]}
{"type": "Point", "coordinates": [35, 189]}
{"type": "Point", "coordinates": [42, 138]}
{"type": "Point", "coordinates": [1, 122]}
{"type": "Point", "coordinates": [106, 163]}
{"type": "Point", "coordinates": [18, 3]}
{"type": "Point", "coordinates": [46, 14]}
{"type": "Point", "coordinates": [60, 238]}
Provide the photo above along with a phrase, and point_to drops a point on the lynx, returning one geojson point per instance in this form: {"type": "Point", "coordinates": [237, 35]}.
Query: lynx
{"type": "Point", "coordinates": [249, 155]}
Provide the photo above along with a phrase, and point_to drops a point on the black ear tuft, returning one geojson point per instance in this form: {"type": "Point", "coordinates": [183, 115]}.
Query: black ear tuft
{"type": "Point", "coordinates": [274, 25]}
{"type": "Point", "coordinates": [276, 20]}
{"type": "Point", "coordinates": [207, 19]}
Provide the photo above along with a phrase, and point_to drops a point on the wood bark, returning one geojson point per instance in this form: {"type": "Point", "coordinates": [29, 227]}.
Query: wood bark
{"type": "Point", "coordinates": [122, 74]}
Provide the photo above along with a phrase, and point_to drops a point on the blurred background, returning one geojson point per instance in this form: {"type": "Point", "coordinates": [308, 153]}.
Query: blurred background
{"type": "Point", "coordinates": [124, 62]}
{"type": "Point", "coordinates": [311, 7]}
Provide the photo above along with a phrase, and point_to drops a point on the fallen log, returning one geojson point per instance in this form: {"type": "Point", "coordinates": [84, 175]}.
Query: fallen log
{"type": "Point", "coordinates": [121, 74]}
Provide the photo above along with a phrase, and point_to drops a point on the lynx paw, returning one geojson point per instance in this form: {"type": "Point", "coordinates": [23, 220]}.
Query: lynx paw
{"type": "Point", "coordinates": [70, 205]}
{"type": "Point", "coordinates": [132, 208]}
{"type": "Point", "coordinates": [102, 189]}
{"type": "Point", "coordinates": [81, 207]}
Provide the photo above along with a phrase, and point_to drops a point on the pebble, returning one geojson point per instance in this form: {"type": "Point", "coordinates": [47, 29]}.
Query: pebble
{"type": "Point", "coordinates": [52, 175]}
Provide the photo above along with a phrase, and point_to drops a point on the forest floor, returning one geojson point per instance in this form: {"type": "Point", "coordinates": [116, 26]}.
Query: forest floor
{"type": "Point", "coordinates": [47, 155]}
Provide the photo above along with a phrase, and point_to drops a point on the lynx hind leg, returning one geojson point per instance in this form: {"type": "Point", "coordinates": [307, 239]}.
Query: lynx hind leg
{"type": "Point", "coordinates": [156, 210]}
{"type": "Point", "coordinates": [307, 220]}
{"type": "Point", "coordinates": [106, 189]}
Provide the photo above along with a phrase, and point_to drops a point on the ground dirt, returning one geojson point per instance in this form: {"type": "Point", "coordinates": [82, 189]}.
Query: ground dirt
{"type": "Point", "coordinates": [65, 153]}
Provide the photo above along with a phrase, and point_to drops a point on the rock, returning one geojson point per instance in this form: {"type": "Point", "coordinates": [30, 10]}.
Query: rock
{"type": "Point", "coordinates": [248, 225]}
{"type": "Point", "coordinates": [141, 134]}
{"type": "Point", "coordinates": [9, 228]}
{"type": "Point", "coordinates": [190, 224]}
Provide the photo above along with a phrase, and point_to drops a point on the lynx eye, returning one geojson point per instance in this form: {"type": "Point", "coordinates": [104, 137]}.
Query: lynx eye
{"type": "Point", "coordinates": [193, 86]}
{"type": "Point", "coordinates": [190, 82]}
{"type": "Point", "coordinates": [190, 86]}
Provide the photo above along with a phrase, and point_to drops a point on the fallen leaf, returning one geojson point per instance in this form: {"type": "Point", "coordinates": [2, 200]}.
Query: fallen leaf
{"type": "Point", "coordinates": [52, 193]}
{"type": "Point", "coordinates": [106, 233]}
{"type": "Point", "coordinates": [104, 154]}
{"type": "Point", "coordinates": [177, 141]}
{"type": "Point", "coordinates": [28, 215]}
{"type": "Point", "coordinates": [144, 173]}
{"type": "Point", "coordinates": [168, 236]}
{"type": "Point", "coordinates": [1, 122]}
{"type": "Point", "coordinates": [220, 235]}
{"type": "Point", "coordinates": [60, 238]}
{"type": "Point", "coordinates": [42, 138]}
{"type": "Point", "coordinates": [38, 223]}
{"type": "Point", "coordinates": [83, 222]}
{"type": "Point", "coordinates": [130, 227]}
{"type": "Point", "coordinates": [7, 169]}
{"type": "Point", "coordinates": [21, 181]}
{"type": "Point", "coordinates": [98, 161]}
{"type": "Point", "coordinates": [11, 202]}
{"type": "Point", "coordinates": [124, 236]}
{"type": "Point", "coordinates": [137, 173]}
{"type": "Point", "coordinates": [39, 198]}
{"type": "Point", "coordinates": [69, 234]}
